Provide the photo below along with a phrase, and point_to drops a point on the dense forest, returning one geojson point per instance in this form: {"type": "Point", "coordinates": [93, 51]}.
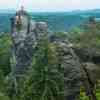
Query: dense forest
{"type": "Point", "coordinates": [49, 85]}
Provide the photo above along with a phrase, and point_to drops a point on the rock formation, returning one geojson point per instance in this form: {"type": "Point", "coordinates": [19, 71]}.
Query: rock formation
{"type": "Point", "coordinates": [71, 67]}
{"type": "Point", "coordinates": [24, 42]}
{"type": "Point", "coordinates": [25, 33]}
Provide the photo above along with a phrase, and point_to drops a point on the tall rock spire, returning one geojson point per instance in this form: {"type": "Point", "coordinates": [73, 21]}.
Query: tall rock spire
{"type": "Point", "coordinates": [24, 39]}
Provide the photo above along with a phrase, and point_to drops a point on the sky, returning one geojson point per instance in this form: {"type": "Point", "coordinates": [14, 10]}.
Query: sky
{"type": "Point", "coordinates": [50, 5]}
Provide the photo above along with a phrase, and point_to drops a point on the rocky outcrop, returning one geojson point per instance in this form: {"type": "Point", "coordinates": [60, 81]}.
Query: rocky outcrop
{"type": "Point", "coordinates": [24, 43]}
{"type": "Point", "coordinates": [25, 40]}
{"type": "Point", "coordinates": [93, 70]}
{"type": "Point", "coordinates": [88, 55]}
{"type": "Point", "coordinates": [70, 64]}
{"type": "Point", "coordinates": [91, 59]}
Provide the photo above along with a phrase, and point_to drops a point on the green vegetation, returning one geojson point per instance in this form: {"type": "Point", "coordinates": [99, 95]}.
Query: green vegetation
{"type": "Point", "coordinates": [44, 80]}
{"type": "Point", "coordinates": [5, 46]}
{"type": "Point", "coordinates": [83, 94]}
{"type": "Point", "coordinates": [88, 36]}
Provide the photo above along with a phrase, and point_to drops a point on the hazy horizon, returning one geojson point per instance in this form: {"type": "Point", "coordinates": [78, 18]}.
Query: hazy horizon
{"type": "Point", "coordinates": [50, 5]}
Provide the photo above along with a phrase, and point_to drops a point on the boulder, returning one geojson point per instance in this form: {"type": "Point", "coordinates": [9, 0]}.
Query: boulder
{"type": "Point", "coordinates": [93, 70]}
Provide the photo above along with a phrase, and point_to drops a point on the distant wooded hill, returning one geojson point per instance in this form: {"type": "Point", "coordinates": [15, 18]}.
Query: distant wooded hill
{"type": "Point", "coordinates": [57, 21]}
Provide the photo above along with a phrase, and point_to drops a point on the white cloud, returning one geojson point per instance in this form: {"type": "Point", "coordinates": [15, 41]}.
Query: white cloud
{"type": "Point", "coordinates": [50, 5]}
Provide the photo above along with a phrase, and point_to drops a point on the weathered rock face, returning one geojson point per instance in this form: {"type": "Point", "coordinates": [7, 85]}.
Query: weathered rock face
{"type": "Point", "coordinates": [88, 55]}
{"type": "Point", "coordinates": [93, 70]}
{"type": "Point", "coordinates": [71, 67]}
{"type": "Point", "coordinates": [24, 40]}
{"type": "Point", "coordinates": [91, 58]}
